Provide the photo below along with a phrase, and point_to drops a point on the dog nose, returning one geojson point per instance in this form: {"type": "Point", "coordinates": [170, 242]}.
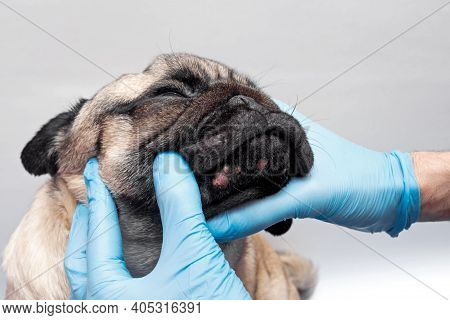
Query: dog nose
{"type": "Point", "coordinates": [247, 102]}
{"type": "Point", "coordinates": [239, 100]}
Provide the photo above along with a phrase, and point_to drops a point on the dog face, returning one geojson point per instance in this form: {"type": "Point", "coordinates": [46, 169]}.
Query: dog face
{"type": "Point", "coordinates": [238, 143]}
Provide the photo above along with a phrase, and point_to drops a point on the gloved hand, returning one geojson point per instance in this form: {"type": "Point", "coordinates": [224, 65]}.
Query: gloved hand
{"type": "Point", "coordinates": [191, 265]}
{"type": "Point", "coordinates": [349, 185]}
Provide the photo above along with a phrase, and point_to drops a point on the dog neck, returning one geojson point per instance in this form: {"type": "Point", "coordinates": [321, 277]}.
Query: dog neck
{"type": "Point", "coordinates": [141, 230]}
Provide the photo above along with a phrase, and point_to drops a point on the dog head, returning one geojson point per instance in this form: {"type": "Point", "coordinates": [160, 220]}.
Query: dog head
{"type": "Point", "coordinates": [238, 143]}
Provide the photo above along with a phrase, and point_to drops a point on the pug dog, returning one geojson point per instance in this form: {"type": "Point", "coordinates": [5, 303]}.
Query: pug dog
{"type": "Point", "coordinates": [239, 144]}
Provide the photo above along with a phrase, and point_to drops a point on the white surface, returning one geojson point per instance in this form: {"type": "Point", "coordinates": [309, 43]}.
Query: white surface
{"type": "Point", "coordinates": [348, 269]}
{"type": "Point", "coordinates": [397, 99]}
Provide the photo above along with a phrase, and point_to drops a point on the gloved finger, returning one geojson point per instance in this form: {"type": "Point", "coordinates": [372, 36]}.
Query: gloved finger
{"type": "Point", "coordinates": [187, 243]}
{"type": "Point", "coordinates": [179, 202]}
{"type": "Point", "coordinates": [260, 214]}
{"type": "Point", "coordinates": [320, 137]}
{"type": "Point", "coordinates": [249, 218]}
{"type": "Point", "coordinates": [75, 263]}
{"type": "Point", "coordinates": [104, 247]}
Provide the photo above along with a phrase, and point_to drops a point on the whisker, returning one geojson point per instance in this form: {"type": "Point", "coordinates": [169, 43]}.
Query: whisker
{"type": "Point", "coordinates": [295, 106]}
{"type": "Point", "coordinates": [325, 151]}
{"type": "Point", "coordinates": [259, 76]}
{"type": "Point", "coordinates": [170, 41]}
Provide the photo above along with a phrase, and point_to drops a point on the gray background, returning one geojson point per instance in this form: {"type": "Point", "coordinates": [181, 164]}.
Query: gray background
{"type": "Point", "coordinates": [396, 99]}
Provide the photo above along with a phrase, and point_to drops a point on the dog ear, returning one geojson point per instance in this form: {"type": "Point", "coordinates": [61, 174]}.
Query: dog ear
{"type": "Point", "coordinates": [40, 155]}
{"type": "Point", "coordinates": [280, 228]}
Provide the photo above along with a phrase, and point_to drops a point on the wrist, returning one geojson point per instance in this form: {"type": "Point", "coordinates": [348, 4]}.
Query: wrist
{"type": "Point", "coordinates": [432, 170]}
{"type": "Point", "coordinates": [407, 210]}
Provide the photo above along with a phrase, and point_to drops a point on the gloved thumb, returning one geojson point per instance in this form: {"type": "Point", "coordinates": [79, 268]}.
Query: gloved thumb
{"type": "Point", "coordinates": [104, 247]}
{"type": "Point", "coordinates": [179, 203]}
{"type": "Point", "coordinates": [190, 257]}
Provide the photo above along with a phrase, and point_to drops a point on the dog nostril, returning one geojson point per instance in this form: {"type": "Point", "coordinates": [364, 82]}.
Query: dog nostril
{"type": "Point", "coordinates": [239, 100]}
{"type": "Point", "coordinates": [249, 104]}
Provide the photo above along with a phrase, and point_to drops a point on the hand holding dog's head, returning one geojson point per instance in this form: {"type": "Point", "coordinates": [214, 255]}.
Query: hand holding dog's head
{"type": "Point", "coordinates": [236, 140]}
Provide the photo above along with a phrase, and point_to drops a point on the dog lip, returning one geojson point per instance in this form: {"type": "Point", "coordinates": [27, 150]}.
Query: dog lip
{"type": "Point", "coordinates": [222, 143]}
{"type": "Point", "coordinates": [220, 146]}
{"type": "Point", "coordinates": [247, 158]}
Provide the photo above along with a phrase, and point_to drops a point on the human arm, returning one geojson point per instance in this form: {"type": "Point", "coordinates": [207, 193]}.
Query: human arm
{"type": "Point", "coordinates": [349, 185]}
{"type": "Point", "coordinates": [432, 170]}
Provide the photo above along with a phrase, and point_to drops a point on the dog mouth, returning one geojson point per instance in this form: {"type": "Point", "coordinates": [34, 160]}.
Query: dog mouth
{"type": "Point", "coordinates": [246, 153]}
{"type": "Point", "coordinates": [266, 156]}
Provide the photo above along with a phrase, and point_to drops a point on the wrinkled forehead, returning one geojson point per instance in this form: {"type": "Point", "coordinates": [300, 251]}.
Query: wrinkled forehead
{"type": "Point", "coordinates": [128, 88]}
{"type": "Point", "coordinates": [185, 68]}
{"type": "Point", "coordinates": [191, 69]}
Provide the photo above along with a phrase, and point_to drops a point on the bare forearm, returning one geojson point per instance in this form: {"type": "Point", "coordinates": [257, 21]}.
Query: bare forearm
{"type": "Point", "coordinates": [432, 171]}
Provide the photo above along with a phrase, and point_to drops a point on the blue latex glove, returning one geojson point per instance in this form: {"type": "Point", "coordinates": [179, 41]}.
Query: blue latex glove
{"type": "Point", "coordinates": [191, 265]}
{"type": "Point", "coordinates": [349, 185]}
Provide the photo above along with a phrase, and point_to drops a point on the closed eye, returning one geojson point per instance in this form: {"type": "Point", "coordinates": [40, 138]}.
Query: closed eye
{"type": "Point", "coordinates": [170, 91]}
